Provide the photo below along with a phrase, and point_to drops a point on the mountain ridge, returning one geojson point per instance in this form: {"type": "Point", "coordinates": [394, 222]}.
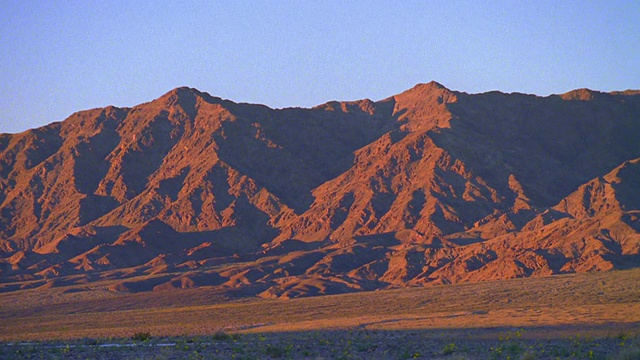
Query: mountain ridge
{"type": "Point", "coordinates": [425, 187]}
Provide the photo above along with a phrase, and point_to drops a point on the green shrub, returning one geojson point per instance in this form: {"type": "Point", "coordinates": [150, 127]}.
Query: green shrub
{"type": "Point", "coordinates": [449, 349]}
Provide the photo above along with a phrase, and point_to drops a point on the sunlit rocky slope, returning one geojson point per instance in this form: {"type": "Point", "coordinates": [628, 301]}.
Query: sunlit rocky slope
{"type": "Point", "coordinates": [430, 186]}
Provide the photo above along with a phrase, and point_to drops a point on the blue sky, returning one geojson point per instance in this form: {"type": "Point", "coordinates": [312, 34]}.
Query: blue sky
{"type": "Point", "coordinates": [58, 57]}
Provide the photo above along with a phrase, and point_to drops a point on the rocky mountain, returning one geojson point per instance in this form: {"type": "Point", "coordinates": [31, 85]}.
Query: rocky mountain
{"type": "Point", "coordinates": [430, 186]}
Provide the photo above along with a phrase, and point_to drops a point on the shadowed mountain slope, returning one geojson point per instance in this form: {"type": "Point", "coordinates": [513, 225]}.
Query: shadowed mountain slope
{"type": "Point", "coordinates": [426, 187]}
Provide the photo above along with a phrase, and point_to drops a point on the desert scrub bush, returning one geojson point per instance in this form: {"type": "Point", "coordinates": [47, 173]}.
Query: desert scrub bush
{"type": "Point", "coordinates": [449, 349]}
{"type": "Point", "coordinates": [141, 336]}
{"type": "Point", "coordinates": [195, 355]}
{"type": "Point", "coordinates": [365, 346]}
{"type": "Point", "coordinates": [223, 336]}
{"type": "Point", "coordinates": [410, 355]}
{"type": "Point", "coordinates": [559, 351]}
{"type": "Point", "coordinates": [629, 352]}
{"type": "Point", "coordinates": [220, 336]}
{"type": "Point", "coordinates": [181, 344]}
{"type": "Point", "coordinates": [510, 345]}
{"type": "Point", "coordinates": [274, 351]}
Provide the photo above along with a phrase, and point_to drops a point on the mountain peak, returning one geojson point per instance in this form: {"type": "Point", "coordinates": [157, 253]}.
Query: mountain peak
{"type": "Point", "coordinates": [185, 98]}
{"type": "Point", "coordinates": [423, 91]}
{"type": "Point", "coordinates": [183, 90]}
{"type": "Point", "coordinates": [427, 87]}
{"type": "Point", "coordinates": [628, 92]}
{"type": "Point", "coordinates": [424, 106]}
{"type": "Point", "coordinates": [179, 93]}
{"type": "Point", "coordinates": [580, 94]}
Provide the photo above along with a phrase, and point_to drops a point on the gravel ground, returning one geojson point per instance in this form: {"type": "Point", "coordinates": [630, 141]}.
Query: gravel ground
{"type": "Point", "coordinates": [431, 344]}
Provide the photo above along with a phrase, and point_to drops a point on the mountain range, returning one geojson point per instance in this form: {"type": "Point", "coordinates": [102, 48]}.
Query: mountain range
{"type": "Point", "coordinates": [430, 186]}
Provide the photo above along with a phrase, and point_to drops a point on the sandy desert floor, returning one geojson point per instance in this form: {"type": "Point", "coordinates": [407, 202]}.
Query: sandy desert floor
{"type": "Point", "coordinates": [594, 315]}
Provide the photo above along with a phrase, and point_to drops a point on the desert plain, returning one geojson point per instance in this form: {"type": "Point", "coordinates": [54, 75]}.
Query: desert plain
{"type": "Point", "coordinates": [592, 315]}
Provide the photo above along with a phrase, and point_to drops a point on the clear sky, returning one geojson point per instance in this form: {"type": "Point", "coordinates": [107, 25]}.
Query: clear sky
{"type": "Point", "coordinates": [58, 57]}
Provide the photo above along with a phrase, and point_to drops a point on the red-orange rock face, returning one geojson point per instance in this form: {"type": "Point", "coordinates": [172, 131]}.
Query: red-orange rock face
{"type": "Point", "coordinates": [430, 186]}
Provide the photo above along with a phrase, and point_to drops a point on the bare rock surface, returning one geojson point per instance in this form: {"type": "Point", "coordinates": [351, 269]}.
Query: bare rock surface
{"type": "Point", "coordinates": [430, 186]}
